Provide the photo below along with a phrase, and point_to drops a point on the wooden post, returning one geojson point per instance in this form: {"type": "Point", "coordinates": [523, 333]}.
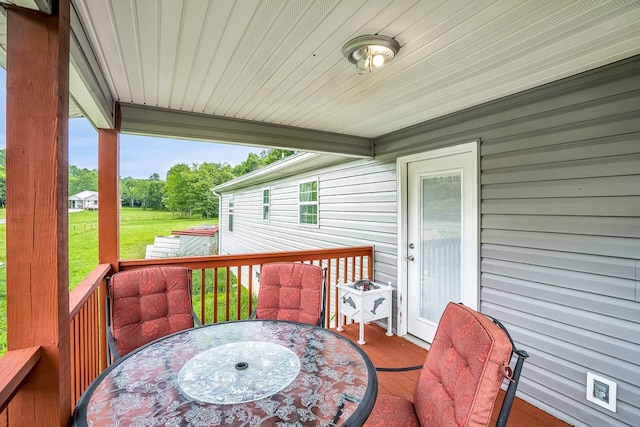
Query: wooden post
{"type": "Point", "coordinates": [108, 214]}
{"type": "Point", "coordinates": [37, 234]}
{"type": "Point", "coordinates": [109, 194]}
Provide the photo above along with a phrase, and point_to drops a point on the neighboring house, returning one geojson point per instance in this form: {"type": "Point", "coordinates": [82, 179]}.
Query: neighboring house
{"type": "Point", "coordinates": [533, 199]}
{"type": "Point", "coordinates": [85, 200]}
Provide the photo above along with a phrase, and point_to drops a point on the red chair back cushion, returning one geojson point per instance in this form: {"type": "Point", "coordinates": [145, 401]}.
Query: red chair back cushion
{"type": "Point", "coordinates": [290, 291]}
{"type": "Point", "coordinates": [463, 370]}
{"type": "Point", "coordinates": [149, 303]}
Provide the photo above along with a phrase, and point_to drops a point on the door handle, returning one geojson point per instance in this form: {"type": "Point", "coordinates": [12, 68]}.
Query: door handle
{"type": "Point", "coordinates": [411, 258]}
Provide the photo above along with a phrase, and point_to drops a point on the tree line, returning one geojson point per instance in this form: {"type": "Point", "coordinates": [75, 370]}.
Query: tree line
{"type": "Point", "coordinates": [186, 190]}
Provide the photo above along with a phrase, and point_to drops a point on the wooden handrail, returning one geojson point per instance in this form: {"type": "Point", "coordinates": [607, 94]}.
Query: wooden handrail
{"type": "Point", "coordinates": [342, 264]}
{"type": "Point", "coordinates": [216, 261]}
{"type": "Point", "coordinates": [15, 366]}
{"type": "Point", "coordinates": [86, 288]}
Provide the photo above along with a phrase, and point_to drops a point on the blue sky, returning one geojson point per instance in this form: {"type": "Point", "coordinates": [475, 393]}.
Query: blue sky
{"type": "Point", "coordinates": [140, 156]}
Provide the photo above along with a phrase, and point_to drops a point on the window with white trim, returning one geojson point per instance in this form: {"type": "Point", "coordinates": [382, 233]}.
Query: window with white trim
{"type": "Point", "coordinates": [266, 204]}
{"type": "Point", "coordinates": [308, 202]}
{"type": "Point", "coordinates": [230, 223]}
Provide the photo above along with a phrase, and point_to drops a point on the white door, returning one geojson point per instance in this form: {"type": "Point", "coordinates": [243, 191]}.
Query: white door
{"type": "Point", "coordinates": [442, 237]}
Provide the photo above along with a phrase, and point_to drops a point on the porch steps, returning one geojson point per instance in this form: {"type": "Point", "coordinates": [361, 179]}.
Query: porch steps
{"type": "Point", "coordinates": [163, 247]}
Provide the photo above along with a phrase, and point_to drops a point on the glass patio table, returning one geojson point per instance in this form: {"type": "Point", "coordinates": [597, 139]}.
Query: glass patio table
{"type": "Point", "coordinates": [244, 373]}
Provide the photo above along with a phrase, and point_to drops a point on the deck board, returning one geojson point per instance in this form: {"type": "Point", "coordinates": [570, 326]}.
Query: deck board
{"type": "Point", "coordinates": [396, 352]}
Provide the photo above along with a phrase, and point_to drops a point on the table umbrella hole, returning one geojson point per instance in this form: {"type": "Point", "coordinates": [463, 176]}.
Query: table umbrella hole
{"type": "Point", "coordinates": [241, 366]}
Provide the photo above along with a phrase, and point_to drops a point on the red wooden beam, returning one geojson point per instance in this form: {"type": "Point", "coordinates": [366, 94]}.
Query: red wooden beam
{"type": "Point", "coordinates": [37, 231]}
{"type": "Point", "coordinates": [109, 194]}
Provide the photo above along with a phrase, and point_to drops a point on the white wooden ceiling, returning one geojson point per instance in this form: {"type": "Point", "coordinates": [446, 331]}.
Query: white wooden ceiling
{"type": "Point", "coordinates": [280, 61]}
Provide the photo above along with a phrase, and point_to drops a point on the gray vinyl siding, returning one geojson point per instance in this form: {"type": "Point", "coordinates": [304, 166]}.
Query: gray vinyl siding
{"type": "Point", "coordinates": [356, 206]}
{"type": "Point", "coordinates": [560, 231]}
{"type": "Point", "coordinates": [559, 219]}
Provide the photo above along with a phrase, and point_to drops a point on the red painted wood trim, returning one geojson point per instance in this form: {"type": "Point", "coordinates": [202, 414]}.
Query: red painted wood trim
{"type": "Point", "coordinates": [37, 216]}
{"type": "Point", "coordinates": [88, 335]}
{"type": "Point", "coordinates": [102, 304]}
{"type": "Point", "coordinates": [239, 292]}
{"type": "Point", "coordinates": [15, 366]}
{"type": "Point", "coordinates": [227, 288]}
{"type": "Point", "coordinates": [109, 193]}
{"type": "Point", "coordinates": [251, 258]}
{"type": "Point", "coordinates": [86, 288]}
{"type": "Point", "coordinates": [215, 295]}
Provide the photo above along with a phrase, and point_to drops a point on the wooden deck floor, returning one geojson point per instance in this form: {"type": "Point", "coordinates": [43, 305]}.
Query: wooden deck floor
{"type": "Point", "coordinates": [395, 351]}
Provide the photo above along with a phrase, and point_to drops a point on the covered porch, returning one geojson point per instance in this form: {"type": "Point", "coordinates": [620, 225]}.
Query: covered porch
{"type": "Point", "coordinates": [275, 77]}
{"type": "Point", "coordinates": [88, 347]}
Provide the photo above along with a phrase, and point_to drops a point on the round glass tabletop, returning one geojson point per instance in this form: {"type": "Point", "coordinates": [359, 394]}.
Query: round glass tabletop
{"type": "Point", "coordinates": [239, 372]}
{"type": "Point", "coordinates": [252, 372]}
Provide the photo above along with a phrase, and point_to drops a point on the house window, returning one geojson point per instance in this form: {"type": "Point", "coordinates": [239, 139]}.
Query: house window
{"type": "Point", "coordinates": [230, 223]}
{"type": "Point", "coordinates": [308, 202]}
{"type": "Point", "coordinates": [266, 202]}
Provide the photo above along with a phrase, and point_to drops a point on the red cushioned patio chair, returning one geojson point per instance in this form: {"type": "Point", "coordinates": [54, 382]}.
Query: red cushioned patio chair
{"type": "Point", "coordinates": [146, 304]}
{"type": "Point", "coordinates": [291, 291]}
{"type": "Point", "coordinates": [460, 378]}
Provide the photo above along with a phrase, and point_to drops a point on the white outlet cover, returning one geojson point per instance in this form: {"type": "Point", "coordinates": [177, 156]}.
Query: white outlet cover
{"type": "Point", "coordinates": [601, 391]}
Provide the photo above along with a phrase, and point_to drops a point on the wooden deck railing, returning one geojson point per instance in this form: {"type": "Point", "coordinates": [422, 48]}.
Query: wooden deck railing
{"type": "Point", "coordinates": [227, 271]}
{"type": "Point", "coordinates": [88, 336]}
{"type": "Point", "coordinates": [15, 365]}
{"type": "Point", "coordinates": [232, 273]}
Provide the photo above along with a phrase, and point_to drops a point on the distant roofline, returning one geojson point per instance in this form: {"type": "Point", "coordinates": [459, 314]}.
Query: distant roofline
{"type": "Point", "coordinates": [292, 165]}
{"type": "Point", "coordinates": [199, 231]}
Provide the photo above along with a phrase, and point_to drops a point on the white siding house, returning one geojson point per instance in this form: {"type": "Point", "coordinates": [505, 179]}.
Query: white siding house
{"type": "Point", "coordinates": [85, 200]}
{"type": "Point", "coordinates": [558, 214]}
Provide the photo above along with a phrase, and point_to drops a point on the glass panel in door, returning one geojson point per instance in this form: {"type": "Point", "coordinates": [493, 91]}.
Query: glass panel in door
{"type": "Point", "coordinates": [441, 243]}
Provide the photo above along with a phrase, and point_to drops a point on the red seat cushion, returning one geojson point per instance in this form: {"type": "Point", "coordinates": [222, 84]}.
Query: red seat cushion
{"type": "Point", "coordinates": [463, 370]}
{"type": "Point", "coordinates": [290, 291]}
{"type": "Point", "coordinates": [149, 303]}
{"type": "Point", "coordinates": [460, 379]}
{"type": "Point", "coordinates": [392, 411]}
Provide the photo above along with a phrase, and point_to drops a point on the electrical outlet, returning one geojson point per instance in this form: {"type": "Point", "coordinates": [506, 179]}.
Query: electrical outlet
{"type": "Point", "coordinates": [601, 391]}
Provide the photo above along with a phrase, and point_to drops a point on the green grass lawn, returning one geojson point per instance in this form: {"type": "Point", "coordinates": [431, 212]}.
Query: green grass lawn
{"type": "Point", "coordinates": [137, 229]}
{"type": "Point", "coordinates": [222, 295]}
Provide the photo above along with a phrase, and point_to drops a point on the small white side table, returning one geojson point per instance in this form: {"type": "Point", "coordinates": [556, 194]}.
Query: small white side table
{"type": "Point", "coordinates": [364, 306]}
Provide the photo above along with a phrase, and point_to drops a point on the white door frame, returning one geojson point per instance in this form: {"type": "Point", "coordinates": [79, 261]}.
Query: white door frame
{"type": "Point", "coordinates": [402, 219]}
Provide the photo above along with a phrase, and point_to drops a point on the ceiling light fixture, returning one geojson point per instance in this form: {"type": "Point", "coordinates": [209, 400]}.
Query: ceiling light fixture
{"type": "Point", "coordinates": [369, 52]}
